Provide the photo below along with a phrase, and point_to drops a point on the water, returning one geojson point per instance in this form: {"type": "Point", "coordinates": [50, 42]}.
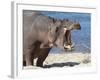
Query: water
{"type": "Point", "coordinates": [81, 38]}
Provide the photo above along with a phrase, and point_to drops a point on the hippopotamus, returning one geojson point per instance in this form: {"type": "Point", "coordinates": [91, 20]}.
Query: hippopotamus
{"type": "Point", "coordinates": [42, 53]}
{"type": "Point", "coordinates": [42, 29]}
{"type": "Point", "coordinates": [40, 34]}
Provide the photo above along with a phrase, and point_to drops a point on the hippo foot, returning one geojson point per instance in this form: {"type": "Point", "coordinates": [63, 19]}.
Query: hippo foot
{"type": "Point", "coordinates": [27, 64]}
{"type": "Point", "coordinates": [39, 65]}
{"type": "Point", "coordinates": [24, 63]}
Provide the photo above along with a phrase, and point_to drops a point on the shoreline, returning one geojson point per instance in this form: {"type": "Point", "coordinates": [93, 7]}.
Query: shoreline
{"type": "Point", "coordinates": [64, 60]}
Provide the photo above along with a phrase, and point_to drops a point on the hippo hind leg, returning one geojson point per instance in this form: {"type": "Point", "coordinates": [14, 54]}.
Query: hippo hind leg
{"type": "Point", "coordinates": [28, 59]}
{"type": "Point", "coordinates": [24, 63]}
{"type": "Point", "coordinates": [44, 53]}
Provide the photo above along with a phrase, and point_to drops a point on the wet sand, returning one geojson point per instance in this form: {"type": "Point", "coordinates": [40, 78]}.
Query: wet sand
{"type": "Point", "coordinates": [64, 60]}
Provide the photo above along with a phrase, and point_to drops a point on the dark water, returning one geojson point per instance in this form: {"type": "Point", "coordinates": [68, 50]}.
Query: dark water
{"type": "Point", "coordinates": [81, 38]}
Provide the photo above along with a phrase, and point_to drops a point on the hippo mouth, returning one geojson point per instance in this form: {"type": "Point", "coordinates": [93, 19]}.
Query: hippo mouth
{"type": "Point", "coordinates": [68, 46]}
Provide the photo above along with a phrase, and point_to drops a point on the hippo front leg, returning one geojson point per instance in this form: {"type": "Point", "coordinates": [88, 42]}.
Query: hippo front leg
{"type": "Point", "coordinates": [41, 58]}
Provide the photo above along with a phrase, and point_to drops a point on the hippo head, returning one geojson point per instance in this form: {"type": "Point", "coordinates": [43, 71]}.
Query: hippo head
{"type": "Point", "coordinates": [69, 25]}
{"type": "Point", "coordinates": [64, 37]}
{"type": "Point", "coordinates": [59, 33]}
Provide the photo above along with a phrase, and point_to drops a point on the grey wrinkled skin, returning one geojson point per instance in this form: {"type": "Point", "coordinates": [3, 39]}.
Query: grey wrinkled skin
{"type": "Point", "coordinates": [37, 27]}
{"type": "Point", "coordinates": [40, 34]}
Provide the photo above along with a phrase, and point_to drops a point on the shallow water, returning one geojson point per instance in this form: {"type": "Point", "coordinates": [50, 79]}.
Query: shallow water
{"type": "Point", "coordinates": [81, 38]}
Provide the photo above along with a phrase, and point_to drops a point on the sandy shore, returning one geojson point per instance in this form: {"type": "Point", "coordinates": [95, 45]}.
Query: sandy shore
{"type": "Point", "coordinates": [65, 60]}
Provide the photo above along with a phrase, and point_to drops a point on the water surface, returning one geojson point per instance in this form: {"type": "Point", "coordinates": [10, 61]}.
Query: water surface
{"type": "Point", "coordinates": [81, 38]}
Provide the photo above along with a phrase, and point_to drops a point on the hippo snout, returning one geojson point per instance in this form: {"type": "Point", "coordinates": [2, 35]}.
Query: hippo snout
{"type": "Point", "coordinates": [77, 26]}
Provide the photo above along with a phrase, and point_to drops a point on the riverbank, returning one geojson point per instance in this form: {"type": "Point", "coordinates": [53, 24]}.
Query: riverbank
{"type": "Point", "coordinates": [65, 60]}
